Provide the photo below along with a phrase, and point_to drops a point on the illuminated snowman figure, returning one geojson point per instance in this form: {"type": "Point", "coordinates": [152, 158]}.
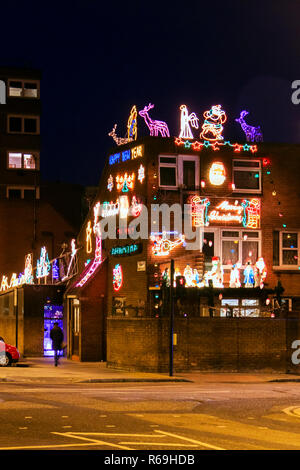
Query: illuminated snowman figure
{"type": "Point", "coordinates": [260, 273]}
{"type": "Point", "coordinates": [248, 275]}
{"type": "Point", "coordinates": [235, 280]}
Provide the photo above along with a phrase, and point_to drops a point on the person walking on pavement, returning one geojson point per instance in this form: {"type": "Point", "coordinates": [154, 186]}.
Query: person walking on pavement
{"type": "Point", "coordinates": [57, 336]}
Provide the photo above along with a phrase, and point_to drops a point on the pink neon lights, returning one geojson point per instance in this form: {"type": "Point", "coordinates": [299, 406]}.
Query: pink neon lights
{"type": "Point", "coordinates": [94, 265]}
{"type": "Point", "coordinates": [154, 126]}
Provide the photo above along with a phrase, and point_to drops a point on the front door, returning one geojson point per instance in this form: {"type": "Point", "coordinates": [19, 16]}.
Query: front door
{"type": "Point", "coordinates": [75, 325]}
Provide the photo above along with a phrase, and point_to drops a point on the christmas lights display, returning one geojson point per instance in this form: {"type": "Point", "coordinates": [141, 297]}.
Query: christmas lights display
{"type": "Point", "coordinates": [215, 274]}
{"type": "Point", "coordinates": [249, 275]}
{"type": "Point", "coordinates": [118, 140]}
{"type": "Point", "coordinates": [217, 174]}
{"type": "Point", "coordinates": [132, 125]}
{"type": "Point", "coordinates": [125, 182]}
{"type": "Point", "coordinates": [199, 210]}
{"type": "Point", "coordinates": [28, 270]}
{"type": "Point", "coordinates": [213, 124]}
{"type": "Point", "coordinates": [117, 277]}
{"type": "Point", "coordinates": [43, 266]}
{"type": "Point", "coordinates": [88, 238]}
{"type": "Point", "coordinates": [253, 134]}
{"type": "Point", "coordinates": [92, 265]}
{"type": "Point", "coordinates": [235, 279]}
{"type": "Point", "coordinates": [163, 245]}
{"type": "Point", "coordinates": [72, 258]}
{"type": "Point", "coordinates": [126, 250]}
{"type": "Point", "coordinates": [141, 173]}
{"type": "Point", "coordinates": [110, 183]}
{"type": "Point", "coordinates": [260, 273]}
{"type": "Point", "coordinates": [55, 270]}
{"type": "Point", "coordinates": [110, 208]}
{"type": "Point", "coordinates": [124, 206]}
{"type": "Point", "coordinates": [155, 127]}
{"type": "Point", "coordinates": [253, 213]}
{"type": "Point", "coordinates": [197, 145]}
{"type": "Point", "coordinates": [135, 209]}
{"type": "Point", "coordinates": [137, 152]}
{"type": "Point", "coordinates": [185, 120]}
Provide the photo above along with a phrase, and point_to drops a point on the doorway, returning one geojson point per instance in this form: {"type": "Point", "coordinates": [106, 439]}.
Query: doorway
{"type": "Point", "coordinates": [52, 314]}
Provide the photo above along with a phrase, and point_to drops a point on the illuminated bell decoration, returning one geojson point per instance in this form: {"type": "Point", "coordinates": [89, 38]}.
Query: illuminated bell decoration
{"type": "Point", "coordinates": [117, 277]}
{"type": "Point", "coordinates": [217, 174]}
{"type": "Point", "coordinates": [155, 127]}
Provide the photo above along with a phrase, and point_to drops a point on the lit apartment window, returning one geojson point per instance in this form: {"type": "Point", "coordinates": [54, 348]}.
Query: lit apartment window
{"type": "Point", "coordinates": [168, 172]}
{"type": "Point", "coordinates": [23, 88]}
{"type": "Point", "coordinates": [247, 176]}
{"type": "Point", "coordinates": [24, 124]}
{"type": "Point", "coordinates": [239, 246]}
{"type": "Point", "coordinates": [26, 161]}
{"type": "Point", "coordinates": [286, 249]}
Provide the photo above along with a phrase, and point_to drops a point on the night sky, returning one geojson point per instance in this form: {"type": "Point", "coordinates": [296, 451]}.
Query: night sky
{"type": "Point", "coordinates": [99, 58]}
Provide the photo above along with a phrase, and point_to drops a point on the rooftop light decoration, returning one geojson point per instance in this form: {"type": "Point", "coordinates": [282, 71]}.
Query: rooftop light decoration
{"type": "Point", "coordinates": [253, 134]}
{"type": "Point", "coordinates": [212, 127]}
{"type": "Point", "coordinates": [155, 127]}
{"type": "Point", "coordinates": [185, 120]}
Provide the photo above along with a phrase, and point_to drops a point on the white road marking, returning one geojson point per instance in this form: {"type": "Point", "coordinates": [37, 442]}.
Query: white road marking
{"type": "Point", "coordinates": [193, 441]}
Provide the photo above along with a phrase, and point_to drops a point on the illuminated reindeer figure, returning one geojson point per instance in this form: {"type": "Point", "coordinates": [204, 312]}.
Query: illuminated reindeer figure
{"type": "Point", "coordinates": [119, 140]}
{"type": "Point", "coordinates": [154, 126]}
{"type": "Point", "coordinates": [253, 134]}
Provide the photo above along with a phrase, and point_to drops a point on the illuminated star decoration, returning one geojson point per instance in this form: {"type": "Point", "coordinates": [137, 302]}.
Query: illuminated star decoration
{"type": "Point", "coordinates": [141, 173]}
{"type": "Point", "coordinates": [212, 128]}
{"type": "Point", "coordinates": [253, 134]}
{"type": "Point", "coordinates": [154, 126]}
{"type": "Point", "coordinates": [185, 120]}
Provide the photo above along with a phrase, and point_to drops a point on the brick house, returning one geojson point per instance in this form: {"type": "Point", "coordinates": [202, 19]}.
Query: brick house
{"type": "Point", "coordinates": [243, 199]}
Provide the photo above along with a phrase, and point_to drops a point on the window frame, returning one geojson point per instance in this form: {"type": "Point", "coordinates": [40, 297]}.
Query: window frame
{"type": "Point", "coordinates": [244, 168]}
{"type": "Point", "coordinates": [240, 239]}
{"type": "Point", "coordinates": [34, 153]}
{"type": "Point", "coordinates": [281, 248]}
{"type": "Point", "coordinates": [180, 163]}
{"type": "Point", "coordinates": [23, 117]}
{"type": "Point", "coordinates": [23, 188]}
{"type": "Point", "coordinates": [168, 165]}
{"type": "Point", "coordinates": [23, 81]}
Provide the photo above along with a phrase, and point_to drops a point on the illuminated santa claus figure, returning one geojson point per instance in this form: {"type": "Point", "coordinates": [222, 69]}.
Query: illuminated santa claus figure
{"type": "Point", "coordinates": [217, 174]}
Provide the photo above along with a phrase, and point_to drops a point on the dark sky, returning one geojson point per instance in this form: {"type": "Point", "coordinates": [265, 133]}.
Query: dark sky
{"type": "Point", "coordinates": [99, 58]}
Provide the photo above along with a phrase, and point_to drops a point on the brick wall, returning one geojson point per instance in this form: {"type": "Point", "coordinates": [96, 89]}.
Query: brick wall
{"type": "Point", "coordinates": [203, 344]}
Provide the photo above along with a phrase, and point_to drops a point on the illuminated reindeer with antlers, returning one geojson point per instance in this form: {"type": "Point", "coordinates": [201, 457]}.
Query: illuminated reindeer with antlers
{"type": "Point", "coordinates": [154, 126]}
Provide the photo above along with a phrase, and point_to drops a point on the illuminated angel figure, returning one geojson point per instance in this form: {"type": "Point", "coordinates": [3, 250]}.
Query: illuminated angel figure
{"type": "Point", "coordinates": [212, 128]}
{"type": "Point", "coordinates": [185, 119]}
{"type": "Point", "coordinates": [132, 124]}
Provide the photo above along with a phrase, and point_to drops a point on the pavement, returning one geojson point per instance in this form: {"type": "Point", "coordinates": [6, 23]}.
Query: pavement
{"type": "Point", "coordinates": [42, 370]}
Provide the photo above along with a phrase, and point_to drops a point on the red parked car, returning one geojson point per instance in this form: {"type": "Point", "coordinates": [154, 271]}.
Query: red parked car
{"type": "Point", "coordinates": [8, 354]}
